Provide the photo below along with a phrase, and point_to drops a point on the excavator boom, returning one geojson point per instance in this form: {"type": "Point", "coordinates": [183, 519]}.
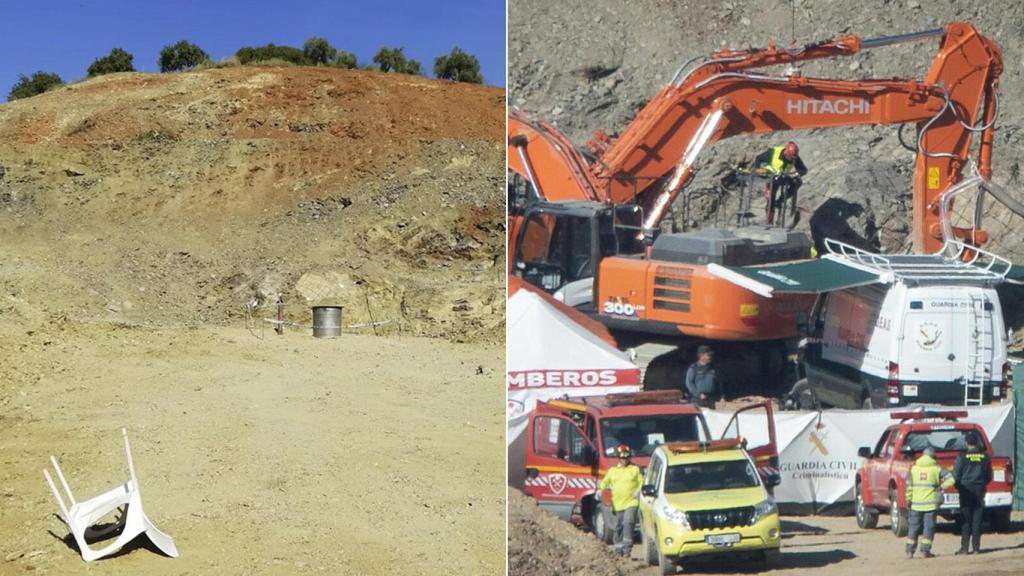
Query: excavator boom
{"type": "Point", "coordinates": [955, 99]}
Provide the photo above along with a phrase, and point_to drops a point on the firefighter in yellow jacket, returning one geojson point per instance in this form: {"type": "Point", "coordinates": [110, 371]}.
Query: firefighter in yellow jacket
{"type": "Point", "coordinates": [624, 479]}
{"type": "Point", "coordinates": [924, 484]}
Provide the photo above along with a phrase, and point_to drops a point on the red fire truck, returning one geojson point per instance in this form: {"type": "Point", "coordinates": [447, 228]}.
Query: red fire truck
{"type": "Point", "coordinates": [880, 480]}
{"type": "Point", "coordinates": [571, 443]}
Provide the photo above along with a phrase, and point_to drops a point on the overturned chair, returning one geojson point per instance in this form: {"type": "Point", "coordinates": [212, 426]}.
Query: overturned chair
{"type": "Point", "coordinates": [126, 499]}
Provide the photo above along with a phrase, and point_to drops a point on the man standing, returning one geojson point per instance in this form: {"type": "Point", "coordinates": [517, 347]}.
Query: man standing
{"type": "Point", "coordinates": [924, 484]}
{"type": "Point", "coordinates": [701, 380]}
{"type": "Point", "coordinates": [776, 162]}
{"type": "Point", "coordinates": [625, 480]}
{"type": "Point", "coordinates": [972, 472]}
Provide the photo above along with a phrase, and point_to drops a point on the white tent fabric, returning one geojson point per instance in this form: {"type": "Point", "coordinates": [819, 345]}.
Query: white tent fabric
{"type": "Point", "coordinates": [550, 356]}
{"type": "Point", "coordinates": [818, 450]}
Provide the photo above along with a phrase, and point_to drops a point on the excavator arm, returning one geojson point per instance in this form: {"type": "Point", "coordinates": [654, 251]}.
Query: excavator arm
{"type": "Point", "coordinates": [546, 158]}
{"type": "Point", "coordinates": [653, 159]}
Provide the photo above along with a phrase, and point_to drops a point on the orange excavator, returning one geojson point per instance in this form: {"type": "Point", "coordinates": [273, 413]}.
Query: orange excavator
{"type": "Point", "coordinates": [585, 226]}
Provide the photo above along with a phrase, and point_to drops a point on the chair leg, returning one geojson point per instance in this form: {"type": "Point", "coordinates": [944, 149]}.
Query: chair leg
{"type": "Point", "coordinates": [56, 496]}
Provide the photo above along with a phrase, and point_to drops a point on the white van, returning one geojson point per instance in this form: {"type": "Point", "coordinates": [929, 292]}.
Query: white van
{"type": "Point", "coordinates": [892, 330]}
{"type": "Point", "coordinates": [885, 345]}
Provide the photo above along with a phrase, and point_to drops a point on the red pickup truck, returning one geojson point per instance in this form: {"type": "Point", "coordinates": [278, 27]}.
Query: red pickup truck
{"type": "Point", "coordinates": [570, 444]}
{"type": "Point", "coordinates": [880, 479]}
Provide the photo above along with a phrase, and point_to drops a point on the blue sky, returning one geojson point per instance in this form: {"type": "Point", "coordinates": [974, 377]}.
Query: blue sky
{"type": "Point", "coordinates": [65, 36]}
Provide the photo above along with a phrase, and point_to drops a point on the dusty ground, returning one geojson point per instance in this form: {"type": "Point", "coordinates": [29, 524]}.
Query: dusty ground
{"type": "Point", "coordinates": [141, 213]}
{"type": "Point", "coordinates": [541, 544]}
{"type": "Point", "coordinates": [358, 455]}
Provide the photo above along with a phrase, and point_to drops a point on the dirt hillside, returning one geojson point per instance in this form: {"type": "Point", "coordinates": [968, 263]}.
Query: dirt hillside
{"type": "Point", "coordinates": [177, 199]}
{"type": "Point", "coordinates": [588, 65]}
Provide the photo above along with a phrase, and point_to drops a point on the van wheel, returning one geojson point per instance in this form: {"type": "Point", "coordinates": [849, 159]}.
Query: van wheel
{"type": "Point", "coordinates": [650, 547]}
{"type": "Point", "coordinates": [599, 523]}
{"type": "Point", "coordinates": [771, 557]}
{"type": "Point", "coordinates": [867, 517]}
{"type": "Point", "coordinates": [1000, 519]}
{"type": "Point", "coordinates": [899, 518]}
{"type": "Point", "coordinates": [802, 397]}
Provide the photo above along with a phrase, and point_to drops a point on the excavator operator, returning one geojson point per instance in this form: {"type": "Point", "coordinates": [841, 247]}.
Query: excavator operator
{"type": "Point", "coordinates": [776, 166]}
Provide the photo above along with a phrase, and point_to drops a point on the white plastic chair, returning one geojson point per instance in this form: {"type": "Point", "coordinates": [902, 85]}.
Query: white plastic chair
{"type": "Point", "coordinates": [81, 517]}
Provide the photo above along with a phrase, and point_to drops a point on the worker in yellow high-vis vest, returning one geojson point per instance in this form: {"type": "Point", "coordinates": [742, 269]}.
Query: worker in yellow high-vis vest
{"type": "Point", "coordinates": [775, 164]}
{"type": "Point", "coordinates": [924, 484]}
{"type": "Point", "coordinates": [624, 479]}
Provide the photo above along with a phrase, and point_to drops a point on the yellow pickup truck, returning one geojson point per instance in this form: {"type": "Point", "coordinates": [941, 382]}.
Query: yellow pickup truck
{"type": "Point", "coordinates": [707, 498]}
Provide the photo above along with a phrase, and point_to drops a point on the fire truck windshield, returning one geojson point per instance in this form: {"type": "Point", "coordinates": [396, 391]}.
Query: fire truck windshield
{"type": "Point", "coordinates": [644, 433]}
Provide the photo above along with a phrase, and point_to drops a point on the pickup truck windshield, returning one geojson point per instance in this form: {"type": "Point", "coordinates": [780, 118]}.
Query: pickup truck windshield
{"type": "Point", "coordinates": [710, 476]}
{"type": "Point", "coordinates": [940, 440]}
{"type": "Point", "coordinates": [644, 433]}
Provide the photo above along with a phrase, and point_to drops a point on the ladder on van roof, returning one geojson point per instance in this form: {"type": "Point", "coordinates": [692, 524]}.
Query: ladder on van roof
{"type": "Point", "coordinates": [977, 372]}
{"type": "Point", "coordinates": [956, 262]}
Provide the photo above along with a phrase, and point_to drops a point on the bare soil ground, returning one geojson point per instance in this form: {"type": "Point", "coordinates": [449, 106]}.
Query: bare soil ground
{"type": "Point", "coordinates": [140, 214]}
{"type": "Point", "coordinates": [288, 455]}
{"type": "Point", "coordinates": [539, 543]}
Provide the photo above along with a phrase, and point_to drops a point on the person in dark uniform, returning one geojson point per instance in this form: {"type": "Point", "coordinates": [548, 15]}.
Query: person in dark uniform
{"type": "Point", "coordinates": [701, 380]}
{"type": "Point", "coordinates": [972, 472]}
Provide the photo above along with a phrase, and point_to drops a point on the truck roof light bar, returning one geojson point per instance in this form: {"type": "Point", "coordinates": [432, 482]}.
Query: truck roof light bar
{"type": "Point", "coordinates": [922, 414]}
{"type": "Point", "coordinates": [651, 397]}
{"type": "Point", "coordinates": [698, 446]}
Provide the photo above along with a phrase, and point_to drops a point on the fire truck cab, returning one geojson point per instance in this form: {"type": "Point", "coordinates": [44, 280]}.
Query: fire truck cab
{"type": "Point", "coordinates": [571, 443]}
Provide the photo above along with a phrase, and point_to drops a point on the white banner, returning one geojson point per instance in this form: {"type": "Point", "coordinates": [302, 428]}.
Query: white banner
{"type": "Point", "coordinates": [818, 450]}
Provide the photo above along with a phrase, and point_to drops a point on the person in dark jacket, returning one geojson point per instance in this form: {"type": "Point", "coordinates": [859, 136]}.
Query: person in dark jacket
{"type": "Point", "coordinates": [972, 472]}
{"type": "Point", "coordinates": [701, 380]}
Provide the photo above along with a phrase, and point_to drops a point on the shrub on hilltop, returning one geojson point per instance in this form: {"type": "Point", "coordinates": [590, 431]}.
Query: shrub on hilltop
{"type": "Point", "coordinates": [36, 84]}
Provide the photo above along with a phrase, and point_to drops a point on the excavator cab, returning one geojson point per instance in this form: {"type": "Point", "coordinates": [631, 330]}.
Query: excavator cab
{"type": "Point", "coordinates": [559, 245]}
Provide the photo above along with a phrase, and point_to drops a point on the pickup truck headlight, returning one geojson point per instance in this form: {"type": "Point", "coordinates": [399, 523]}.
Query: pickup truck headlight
{"type": "Point", "coordinates": [675, 515]}
{"type": "Point", "coordinates": [764, 508]}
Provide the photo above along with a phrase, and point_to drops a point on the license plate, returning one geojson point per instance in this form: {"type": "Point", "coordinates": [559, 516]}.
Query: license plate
{"type": "Point", "coordinates": [951, 499]}
{"type": "Point", "coordinates": [722, 539]}
{"type": "Point", "coordinates": [910, 389]}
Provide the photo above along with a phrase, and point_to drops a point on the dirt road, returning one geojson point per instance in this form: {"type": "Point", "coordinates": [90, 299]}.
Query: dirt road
{"type": "Point", "coordinates": [540, 544]}
{"type": "Point", "coordinates": [288, 455]}
{"type": "Point", "coordinates": [820, 544]}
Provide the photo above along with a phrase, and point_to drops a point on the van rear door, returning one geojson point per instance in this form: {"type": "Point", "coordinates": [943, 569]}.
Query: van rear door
{"type": "Point", "coordinates": [933, 346]}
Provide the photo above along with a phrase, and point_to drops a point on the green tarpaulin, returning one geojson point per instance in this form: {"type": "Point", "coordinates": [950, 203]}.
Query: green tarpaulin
{"type": "Point", "coordinates": [806, 277]}
{"type": "Point", "coordinates": [1016, 274]}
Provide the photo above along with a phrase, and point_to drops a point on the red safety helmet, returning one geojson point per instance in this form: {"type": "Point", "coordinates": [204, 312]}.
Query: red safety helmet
{"type": "Point", "coordinates": [790, 151]}
{"type": "Point", "coordinates": [623, 451]}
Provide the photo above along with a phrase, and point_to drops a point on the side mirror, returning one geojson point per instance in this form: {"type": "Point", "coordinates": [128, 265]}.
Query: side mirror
{"type": "Point", "coordinates": [772, 480]}
{"type": "Point", "coordinates": [864, 452]}
{"type": "Point", "coordinates": [649, 490]}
